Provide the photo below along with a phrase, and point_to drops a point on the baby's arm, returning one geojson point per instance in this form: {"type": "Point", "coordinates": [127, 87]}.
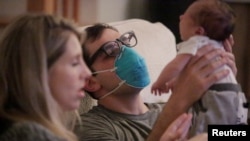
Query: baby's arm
{"type": "Point", "coordinates": [170, 71]}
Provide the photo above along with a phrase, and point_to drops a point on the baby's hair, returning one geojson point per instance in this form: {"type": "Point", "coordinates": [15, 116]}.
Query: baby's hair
{"type": "Point", "coordinates": [216, 17]}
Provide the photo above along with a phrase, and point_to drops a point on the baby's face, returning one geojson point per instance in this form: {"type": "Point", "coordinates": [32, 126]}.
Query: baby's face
{"type": "Point", "coordinates": [188, 26]}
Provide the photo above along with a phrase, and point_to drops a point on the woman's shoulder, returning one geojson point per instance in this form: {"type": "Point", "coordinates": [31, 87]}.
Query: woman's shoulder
{"type": "Point", "coordinates": [28, 131]}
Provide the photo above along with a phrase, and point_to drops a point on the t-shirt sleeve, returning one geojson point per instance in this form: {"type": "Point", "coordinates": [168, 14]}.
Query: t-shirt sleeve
{"type": "Point", "coordinates": [192, 45]}
{"type": "Point", "coordinates": [95, 129]}
{"type": "Point", "coordinates": [188, 47]}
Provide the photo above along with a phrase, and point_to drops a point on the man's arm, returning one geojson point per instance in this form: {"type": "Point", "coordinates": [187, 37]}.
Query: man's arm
{"type": "Point", "coordinates": [195, 79]}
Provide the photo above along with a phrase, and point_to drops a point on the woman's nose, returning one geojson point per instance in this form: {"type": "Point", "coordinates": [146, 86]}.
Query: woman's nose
{"type": "Point", "coordinates": [86, 73]}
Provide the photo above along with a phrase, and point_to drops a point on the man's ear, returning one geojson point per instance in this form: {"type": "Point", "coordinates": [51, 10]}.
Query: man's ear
{"type": "Point", "coordinates": [92, 84]}
{"type": "Point", "coordinates": [200, 31]}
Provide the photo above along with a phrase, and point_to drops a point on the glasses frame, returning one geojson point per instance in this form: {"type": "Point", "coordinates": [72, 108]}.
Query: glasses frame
{"type": "Point", "coordinates": [119, 42]}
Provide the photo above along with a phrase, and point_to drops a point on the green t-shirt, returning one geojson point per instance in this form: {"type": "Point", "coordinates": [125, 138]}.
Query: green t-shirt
{"type": "Point", "coordinates": [102, 124]}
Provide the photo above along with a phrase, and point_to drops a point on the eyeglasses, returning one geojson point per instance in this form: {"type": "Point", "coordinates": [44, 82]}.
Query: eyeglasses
{"type": "Point", "coordinates": [113, 48]}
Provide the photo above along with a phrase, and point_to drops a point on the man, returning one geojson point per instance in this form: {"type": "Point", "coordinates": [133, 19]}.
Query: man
{"type": "Point", "coordinates": [119, 74]}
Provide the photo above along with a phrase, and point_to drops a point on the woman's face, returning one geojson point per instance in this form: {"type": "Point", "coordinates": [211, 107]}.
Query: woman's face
{"type": "Point", "coordinates": [68, 74]}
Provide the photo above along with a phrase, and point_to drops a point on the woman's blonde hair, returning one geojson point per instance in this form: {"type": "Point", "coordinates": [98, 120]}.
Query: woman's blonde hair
{"type": "Point", "coordinates": [28, 48]}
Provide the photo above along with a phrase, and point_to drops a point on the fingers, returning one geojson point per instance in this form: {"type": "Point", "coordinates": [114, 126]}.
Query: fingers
{"type": "Point", "coordinates": [229, 56]}
{"type": "Point", "coordinates": [201, 72]}
{"type": "Point", "coordinates": [178, 129]}
{"type": "Point", "coordinates": [216, 76]}
{"type": "Point", "coordinates": [154, 89]}
{"type": "Point", "coordinates": [230, 61]}
{"type": "Point", "coordinates": [184, 126]}
{"type": "Point", "coordinates": [180, 121]}
{"type": "Point", "coordinates": [205, 56]}
{"type": "Point", "coordinates": [199, 137]}
{"type": "Point", "coordinates": [231, 40]}
{"type": "Point", "coordinates": [209, 73]}
{"type": "Point", "coordinates": [227, 46]}
{"type": "Point", "coordinates": [158, 90]}
{"type": "Point", "coordinates": [228, 43]}
{"type": "Point", "coordinates": [207, 70]}
{"type": "Point", "coordinates": [181, 124]}
{"type": "Point", "coordinates": [233, 67]}
{"type": "Point", "coordinates": [201, 52]}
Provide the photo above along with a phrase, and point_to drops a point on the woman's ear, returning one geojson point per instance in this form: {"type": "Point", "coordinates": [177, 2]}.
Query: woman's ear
{"type": "Point", "coordinates": [200, 31]}
{"type": "Point", "coordinates": [92, 84]}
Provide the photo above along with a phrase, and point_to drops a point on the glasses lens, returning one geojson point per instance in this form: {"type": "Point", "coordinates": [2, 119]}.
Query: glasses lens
{"type": "Point", "coordinates": [129, 39]}
{"type": "Point", "coordinates": [112, 48]}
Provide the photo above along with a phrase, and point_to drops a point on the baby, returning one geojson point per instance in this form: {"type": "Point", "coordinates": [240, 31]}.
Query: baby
{"type": "Point", "coordinates": [206, 22]}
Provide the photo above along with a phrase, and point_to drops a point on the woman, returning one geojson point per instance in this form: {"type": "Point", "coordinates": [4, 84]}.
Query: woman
{"type": "Point", "coordinates": [42, 77]}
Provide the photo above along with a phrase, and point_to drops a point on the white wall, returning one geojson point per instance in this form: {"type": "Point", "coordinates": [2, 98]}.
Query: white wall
{"type": "Point", "coordinates": [90, 11]}
{"type": "Point", "coordinates": [112, 10]}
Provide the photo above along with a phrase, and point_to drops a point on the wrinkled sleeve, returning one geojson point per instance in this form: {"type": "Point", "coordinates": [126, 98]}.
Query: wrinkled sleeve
{"type": "Point", "coordinates": [93, 129]}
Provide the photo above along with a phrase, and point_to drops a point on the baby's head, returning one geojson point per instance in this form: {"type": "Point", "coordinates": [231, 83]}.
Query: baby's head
{"type": "Point", "coordinates": [212, 18]}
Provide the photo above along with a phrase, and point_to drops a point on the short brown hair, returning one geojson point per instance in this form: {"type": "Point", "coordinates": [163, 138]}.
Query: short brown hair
{"type": "Point", "coordinates": [216, 17]}
{"type": "Point", "coordinates": [94, 33]}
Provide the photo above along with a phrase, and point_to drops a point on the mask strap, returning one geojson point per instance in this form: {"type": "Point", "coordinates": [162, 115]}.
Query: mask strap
{"type": "Point", "coordinates": [102, 71]}
{"type": "Point", "coordinates": [120, 55]}
{"type": "Point", "coordinates": [109, 93]}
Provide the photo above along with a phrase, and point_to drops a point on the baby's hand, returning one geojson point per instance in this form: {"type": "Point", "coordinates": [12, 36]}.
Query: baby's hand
{"type": "Point", "coordinates": [159, 89]}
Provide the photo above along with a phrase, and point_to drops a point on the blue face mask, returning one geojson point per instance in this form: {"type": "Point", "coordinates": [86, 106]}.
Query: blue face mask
{"type": "Point", "coordinates": [131, 68]}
